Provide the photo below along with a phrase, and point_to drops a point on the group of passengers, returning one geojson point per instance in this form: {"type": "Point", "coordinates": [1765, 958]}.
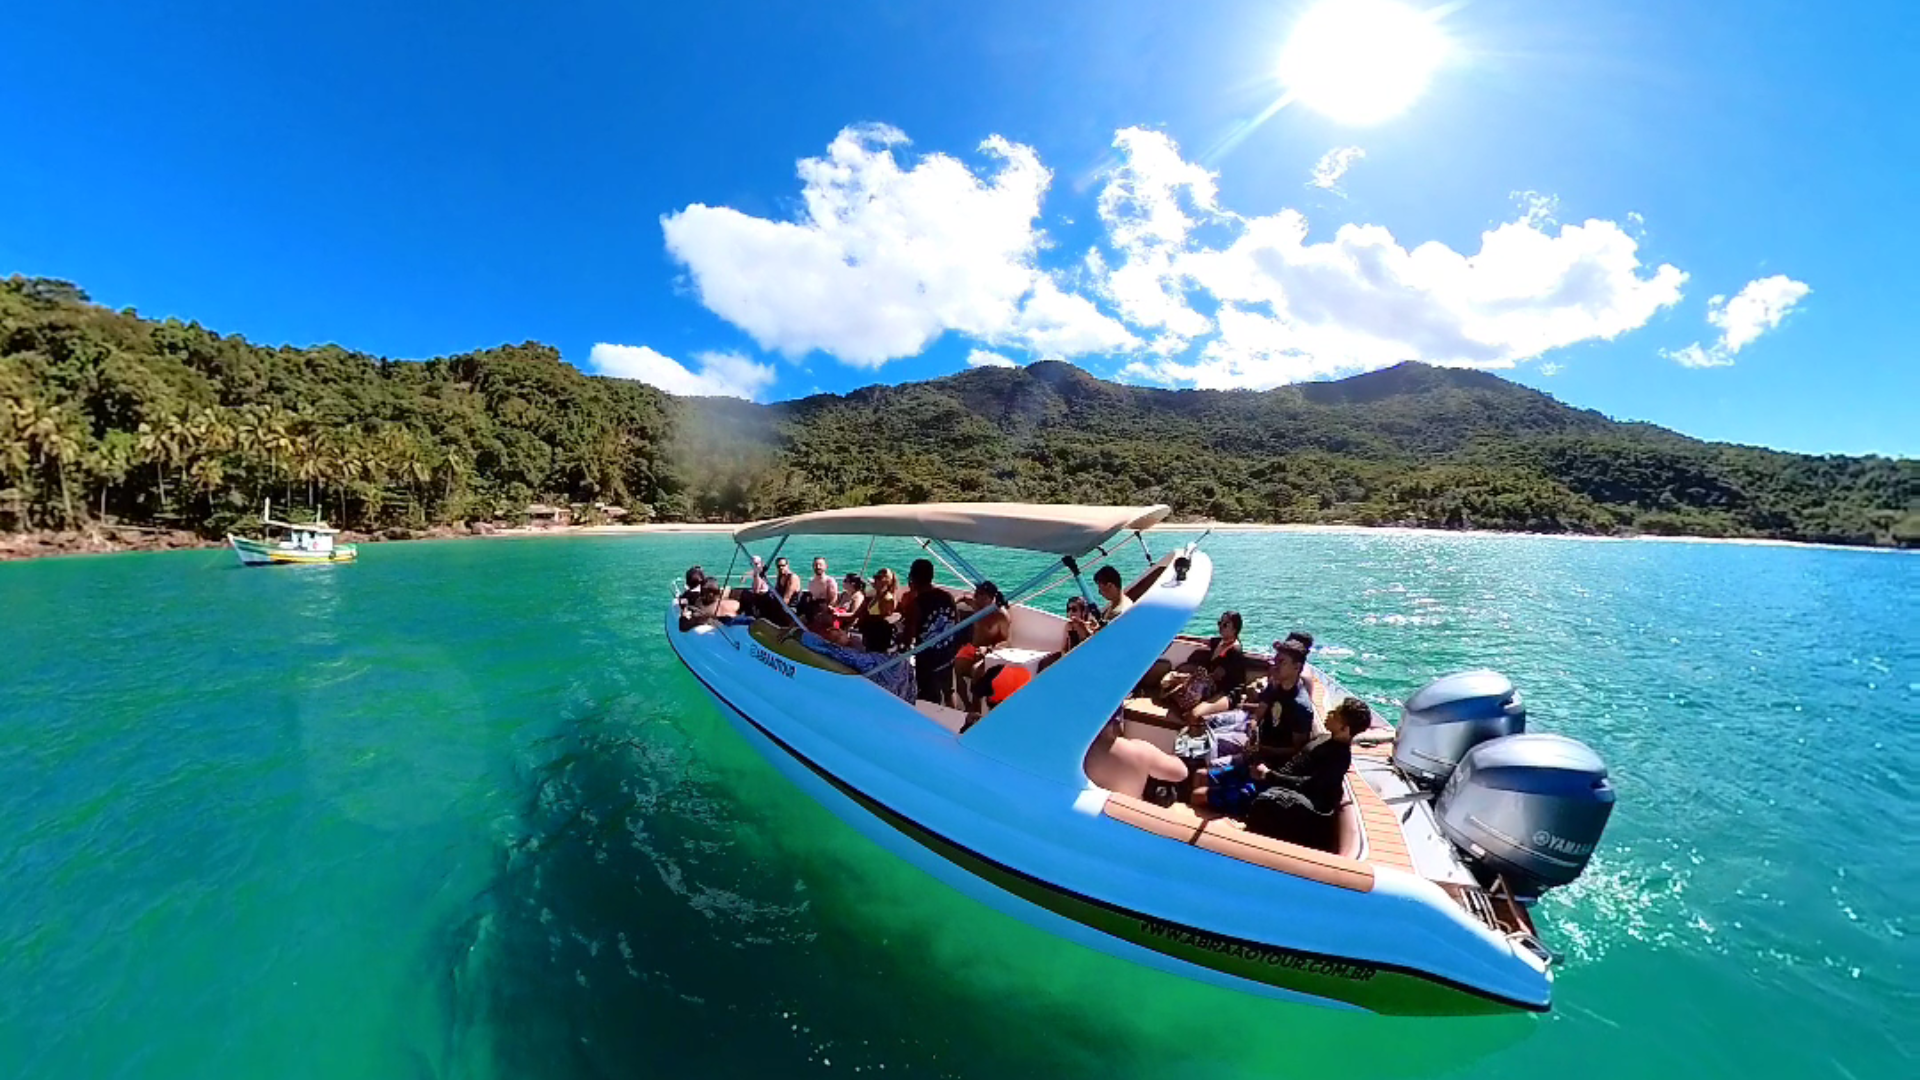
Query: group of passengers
{"type": "Point", "coordinates": [1247, 748]}
{"type": "Point", "coordinates": [1248, 745]}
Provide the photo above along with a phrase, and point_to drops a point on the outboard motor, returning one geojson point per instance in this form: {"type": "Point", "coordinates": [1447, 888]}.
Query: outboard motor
{"type": "Point", "coordinates": [1450, 716]}
{"type": "Point", "coordinates": [1528, 807]}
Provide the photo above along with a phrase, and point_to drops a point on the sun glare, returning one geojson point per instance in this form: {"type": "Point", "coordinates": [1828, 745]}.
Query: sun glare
{"type": "Point", "coordinates": [1361, 61]}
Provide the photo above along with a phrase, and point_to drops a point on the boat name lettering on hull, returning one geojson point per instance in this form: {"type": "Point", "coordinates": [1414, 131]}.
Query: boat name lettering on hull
{"type": "Point", "coordinates": [1262, 954]}
{"type": "Point", "coordinates": [784, 667]}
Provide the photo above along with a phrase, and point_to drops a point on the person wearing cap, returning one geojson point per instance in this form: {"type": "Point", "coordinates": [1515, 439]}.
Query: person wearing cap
{"type": "Point", "coordinates": [1281, 723]}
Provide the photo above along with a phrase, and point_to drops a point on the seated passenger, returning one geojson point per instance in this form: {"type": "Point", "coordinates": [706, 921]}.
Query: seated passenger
{"type": "Point", "coordinates": [875, 623]}
{"type": "Point", "coordinates": [1224, 658]}
{"type": "Point", "coordinates": [821, 587]}
{"type": "Point", "coordinates": [1113, 591]}
{"type": "Point", "coordinates": [821, 620]}
{"type": "Point", "coordinates": [1081, 621]}
{"type": "Point", "coordinates": [757, 577]}
{"type": "Point", "coordinates": [853, 595]}
{"type": "Point", "coordinates": [786, 583]}
{"type": "Point", "coordinates": [709, 605]}
{"type": "Point", "coordinates": [695, 578]}
{"type": "Point", "coordinates": [1297, 801]}
{"type": "Point", "coordinates": [895, 680]}
{"type": "Point", "coordinates": [1308, 673]}
{"type": "Point", "coordinates": [990, 632]}
{"type": "Point", "coordinates": [1280, 724]}
{"type": "Point", "coordinates": [1123, 766]}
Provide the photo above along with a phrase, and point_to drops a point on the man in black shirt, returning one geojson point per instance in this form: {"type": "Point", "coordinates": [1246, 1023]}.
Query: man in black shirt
{"type": "Point", "coordinates": [1297, 801]}
{"type": "Point", "coordinates": [1283, 718]}
{"type": "Point", "coordinates": [1281, 722]}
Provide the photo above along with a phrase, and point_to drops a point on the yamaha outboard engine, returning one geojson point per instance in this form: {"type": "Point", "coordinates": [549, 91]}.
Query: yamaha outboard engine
{"type": "Point", "coordinates": [1528, 807]}
{"type": "Point", "coordinates": [1450, 716]}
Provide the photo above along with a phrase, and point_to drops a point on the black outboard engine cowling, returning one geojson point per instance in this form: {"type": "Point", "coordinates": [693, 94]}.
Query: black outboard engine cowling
{"type": "Point", "coordinates": [1528, 807]}
{"type": "Point", "coordinates": [1450, 716]}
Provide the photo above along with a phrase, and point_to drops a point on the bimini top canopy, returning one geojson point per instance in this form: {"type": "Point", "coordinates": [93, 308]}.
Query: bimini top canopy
{"type": "Point", "coordinates": [1061, 530]}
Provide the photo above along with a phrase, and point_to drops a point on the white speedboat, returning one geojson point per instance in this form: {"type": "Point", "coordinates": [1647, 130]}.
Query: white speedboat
{"type": "Point", "coordinates": [1448, 832]}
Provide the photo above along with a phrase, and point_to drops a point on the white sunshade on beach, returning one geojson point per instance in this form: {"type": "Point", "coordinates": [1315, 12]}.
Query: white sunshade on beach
{"type": "Point", "coordinates": [1059, 529]}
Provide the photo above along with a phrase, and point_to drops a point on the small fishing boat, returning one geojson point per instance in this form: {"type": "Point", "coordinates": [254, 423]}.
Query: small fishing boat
{"type": "Point", "coordinates": [305, 543]}
{"type": "Point", "coordinates": [1452, 824]}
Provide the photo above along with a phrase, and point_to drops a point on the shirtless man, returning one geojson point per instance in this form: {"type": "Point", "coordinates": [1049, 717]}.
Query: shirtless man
{"type": "Point", "coordinates": [991, 631]}
{"type": "Point", "coordinates": [822, 587]}
{"type": "Point", "coordinates": [1123, 766]}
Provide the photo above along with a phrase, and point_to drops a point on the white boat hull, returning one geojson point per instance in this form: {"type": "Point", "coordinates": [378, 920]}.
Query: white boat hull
{"type": "Point", "coordinates": [1032, 841]}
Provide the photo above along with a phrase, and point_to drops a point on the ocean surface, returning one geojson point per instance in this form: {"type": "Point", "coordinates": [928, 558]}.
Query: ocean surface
{"type": "Point", "coordinates": [455, 812]}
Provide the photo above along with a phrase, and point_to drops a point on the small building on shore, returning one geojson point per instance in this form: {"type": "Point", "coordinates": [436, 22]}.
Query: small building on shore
{"type": "Point", "coordinates": [544, 516]}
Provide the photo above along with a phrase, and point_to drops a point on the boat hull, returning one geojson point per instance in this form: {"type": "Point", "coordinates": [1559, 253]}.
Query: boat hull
{"type": "Point", "coordinates": [1044, 854]}
{"type": "Point", "coordinates": [261, 553]}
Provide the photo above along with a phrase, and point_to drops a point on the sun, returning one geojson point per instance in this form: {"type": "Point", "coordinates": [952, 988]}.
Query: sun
{"type": "Point", "coordinates": [1361, 61]}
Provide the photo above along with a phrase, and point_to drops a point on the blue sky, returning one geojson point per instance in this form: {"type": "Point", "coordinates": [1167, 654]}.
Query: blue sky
{"type": "Point", "coordinates": [427, 178]}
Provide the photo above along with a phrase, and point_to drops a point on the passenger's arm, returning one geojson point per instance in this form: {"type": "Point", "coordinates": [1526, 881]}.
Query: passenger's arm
{"type": "Point", "coordinates": [1208, 708]}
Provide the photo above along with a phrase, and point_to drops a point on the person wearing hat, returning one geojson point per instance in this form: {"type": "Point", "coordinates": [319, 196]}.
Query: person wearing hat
{"type": "Point", "coordinates": [1281, 724]}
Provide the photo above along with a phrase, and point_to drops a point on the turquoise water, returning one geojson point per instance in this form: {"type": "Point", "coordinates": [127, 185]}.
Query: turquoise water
{"type": "Point", "coordinates": [455, 812]}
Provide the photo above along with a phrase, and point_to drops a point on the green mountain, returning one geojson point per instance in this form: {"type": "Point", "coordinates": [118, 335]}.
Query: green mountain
{"type": "Point", "coordinates": [106, 415]}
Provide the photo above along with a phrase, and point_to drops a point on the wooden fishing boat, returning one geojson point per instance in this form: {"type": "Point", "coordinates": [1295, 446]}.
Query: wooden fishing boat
{"type": "Point", "coordinates": [304, 543]}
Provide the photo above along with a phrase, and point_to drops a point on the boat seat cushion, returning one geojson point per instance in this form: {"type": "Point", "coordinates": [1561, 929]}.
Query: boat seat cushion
{"type": "Point", "coordinates": [1176, 822]}
{"type": "Point", "coordinates": [1321, 866]}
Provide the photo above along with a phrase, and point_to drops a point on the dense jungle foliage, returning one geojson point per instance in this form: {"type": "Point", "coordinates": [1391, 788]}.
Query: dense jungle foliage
{"type": "Point", "coordinates": [107, 416]}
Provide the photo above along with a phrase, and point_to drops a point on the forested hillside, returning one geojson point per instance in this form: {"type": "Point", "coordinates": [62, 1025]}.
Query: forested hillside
{"type": "Point", "coordinates": [108, 416]}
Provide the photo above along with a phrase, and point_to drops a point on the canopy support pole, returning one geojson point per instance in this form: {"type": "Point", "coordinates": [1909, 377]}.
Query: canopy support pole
{"type": "Point", "coordinates": [959, 565]}
{"type": "Point", "coordinates": [871, 540]}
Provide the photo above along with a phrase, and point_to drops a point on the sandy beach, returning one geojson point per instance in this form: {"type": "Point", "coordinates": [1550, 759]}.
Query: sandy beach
{"type": "Point", "coordinates": [19, 546]}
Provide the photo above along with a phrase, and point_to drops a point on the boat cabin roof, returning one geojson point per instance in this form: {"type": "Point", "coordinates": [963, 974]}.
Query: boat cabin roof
{"type": "Point", "coordinates": [1059, 529]}
{"type": "Point", "coordinates": [309, 527]}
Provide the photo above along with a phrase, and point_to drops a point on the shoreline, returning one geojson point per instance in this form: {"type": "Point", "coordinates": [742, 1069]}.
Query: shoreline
{"type": "Point", "coordinates": [110, 540]}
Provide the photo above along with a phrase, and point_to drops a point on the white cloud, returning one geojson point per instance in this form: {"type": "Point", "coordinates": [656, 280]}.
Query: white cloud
{"type": "Point", "coordinates": [983, 358]}
{"type": "Point", "coordinates": [1333, 165]}
{"type": "Point", "coordinates": [1550, 370]}
{"type": "Point", "coordinates": [890, 251]}
{"type": "Point", "coordinates": [1754, 310]}
{"type": "Point", "coordinates": [884, 259]}
{"type": "Point", "coordinates": [1291, 308]}
{"type": "Point", "coordinates": [720, 375]}
{"type": "Point", "coordinates": [1145, 205]}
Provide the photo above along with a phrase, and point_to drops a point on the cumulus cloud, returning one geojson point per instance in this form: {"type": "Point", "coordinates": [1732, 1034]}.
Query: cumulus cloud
{"type": "Point", "coordinates": [1754, 310]}
{"type": "Point", "coordinates": [720, 374]}
{"type": "Point", "coordinates": [890, 250]}
{"type": "Point", "coordinates": [1333, 165]}
{"type": "Point", "coordinates": [883, 258]}
{"type": "Point", "coordinates": [983, 358]}
{"type": "Point", "coordinates": [1292, 308]}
